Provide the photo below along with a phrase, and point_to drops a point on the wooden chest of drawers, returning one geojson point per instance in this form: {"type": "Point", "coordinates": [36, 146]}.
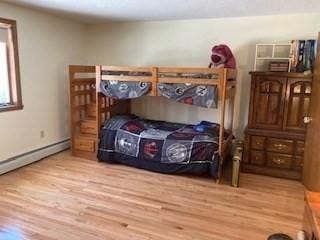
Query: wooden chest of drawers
{"type": "Point", "coordinates": [273, 154]}
{"type": "Point", "coordinates": [274, 138]}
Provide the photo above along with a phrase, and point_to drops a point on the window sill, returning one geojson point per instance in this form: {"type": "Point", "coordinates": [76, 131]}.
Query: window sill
{"type": "Point", "coordinates": [11, 107]}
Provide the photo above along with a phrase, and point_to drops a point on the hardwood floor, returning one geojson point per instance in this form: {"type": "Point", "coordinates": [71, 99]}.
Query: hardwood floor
{"type": "Point", "coordinates": [68, 198]}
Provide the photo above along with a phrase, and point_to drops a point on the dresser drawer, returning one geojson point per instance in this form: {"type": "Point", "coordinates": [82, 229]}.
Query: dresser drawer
{"type": "Point", "coordinates": [88, 127]}
{"type": "Point", "coordinates": [257, 142]}
{"type": "Point", "coordinates": [280, 145]}
{"type": "Point", "coordinates": [279, 160]}
{"type": "Point", "coordinates": [300, 147]}
{"type": "Point", "coordinates": [84, 144]}
{"type": "Point", "coordinates": [298, 163]}
{"type": "Point", "coordinates": [257, 158]}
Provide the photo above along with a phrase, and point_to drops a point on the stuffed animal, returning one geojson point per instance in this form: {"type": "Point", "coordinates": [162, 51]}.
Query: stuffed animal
{"type": "Point", "coordinates": [222, 57]}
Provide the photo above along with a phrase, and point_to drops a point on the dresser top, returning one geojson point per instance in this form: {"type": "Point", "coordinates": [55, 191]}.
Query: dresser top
{"type": "Point", "coordinates": [313, 201]}
{"type": "Point", "coordinates": [283, 74]}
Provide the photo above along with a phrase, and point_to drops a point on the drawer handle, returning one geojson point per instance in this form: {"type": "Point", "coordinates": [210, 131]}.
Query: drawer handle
{"type": "Point", "coordinates": [278, 161]}
{"type": "Point", "coordinates": [279, 146]}
{"type": "Point", "coordinates": [301, 149]}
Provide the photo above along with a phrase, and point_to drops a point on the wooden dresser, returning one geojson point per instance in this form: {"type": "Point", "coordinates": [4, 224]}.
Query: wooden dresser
{"type": "Point", "coordinates": [311, 219]}
{"type": "Point", "coordinates": [274, 138]}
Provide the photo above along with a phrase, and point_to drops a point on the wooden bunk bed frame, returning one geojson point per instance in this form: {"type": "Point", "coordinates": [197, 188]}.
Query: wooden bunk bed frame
{"type": "Point", "coordinates": [89, 108]}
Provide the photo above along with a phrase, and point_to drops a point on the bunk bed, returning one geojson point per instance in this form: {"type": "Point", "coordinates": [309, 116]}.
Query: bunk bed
{"type": "Point", "coordinates": [103, 127]}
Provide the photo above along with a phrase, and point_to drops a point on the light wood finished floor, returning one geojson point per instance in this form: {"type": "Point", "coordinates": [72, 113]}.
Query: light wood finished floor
{"type": "Point", "coordinates": [68, 198]}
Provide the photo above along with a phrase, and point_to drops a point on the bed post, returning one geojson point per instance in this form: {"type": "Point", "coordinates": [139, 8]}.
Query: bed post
{"type": "Point", "coordinates": [98, 77]}
{"type": "Point", "coordinates": [98, 103]}
{"type": "Point", "coordinates": [98, 98]}
{"type": "Point", "coordinates": [232, 99]}
{"type": "Point", "coordinates": [154, 90]}
{"type": "Point", "coordinates": [222, 94]}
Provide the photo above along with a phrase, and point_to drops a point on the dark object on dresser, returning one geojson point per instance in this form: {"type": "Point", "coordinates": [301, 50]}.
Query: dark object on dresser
{"type": "Point", "coordinates": [274, 138]}
{"type": "Point", "coordinates": [279, 236]}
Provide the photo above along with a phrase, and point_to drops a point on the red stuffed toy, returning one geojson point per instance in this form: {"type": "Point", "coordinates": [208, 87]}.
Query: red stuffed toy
{"type": "Point", "coordinates": [222, 57]}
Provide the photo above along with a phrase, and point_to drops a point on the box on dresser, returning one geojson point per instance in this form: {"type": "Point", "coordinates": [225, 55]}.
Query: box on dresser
{"type": "Point", "coordinates": [274, 138]}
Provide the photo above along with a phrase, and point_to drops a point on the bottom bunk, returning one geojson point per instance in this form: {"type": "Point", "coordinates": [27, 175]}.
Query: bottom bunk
{"type": "Point", "coordinates": [160, 146]}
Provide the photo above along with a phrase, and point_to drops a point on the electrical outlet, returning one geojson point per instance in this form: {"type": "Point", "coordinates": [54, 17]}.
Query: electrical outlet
{"type": "Point", "coordinates": [42, 134]}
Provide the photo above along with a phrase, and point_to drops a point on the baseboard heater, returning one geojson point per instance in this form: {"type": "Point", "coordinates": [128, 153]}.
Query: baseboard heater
{"type": "Point", "coordinates": [33, 156]}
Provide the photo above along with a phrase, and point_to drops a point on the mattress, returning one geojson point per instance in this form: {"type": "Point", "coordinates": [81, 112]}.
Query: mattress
{"type": "Point", "coordinates": [160, 146]}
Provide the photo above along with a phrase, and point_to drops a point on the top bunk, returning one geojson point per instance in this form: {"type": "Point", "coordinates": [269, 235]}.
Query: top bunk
{"type": "Point", "coordinates": [153, 79]}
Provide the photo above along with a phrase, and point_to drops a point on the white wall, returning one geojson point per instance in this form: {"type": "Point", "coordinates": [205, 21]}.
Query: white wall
{"type": "Point", "coordinates": [188, 43]}
{"type": "Point", "coordinates": [47, 44]}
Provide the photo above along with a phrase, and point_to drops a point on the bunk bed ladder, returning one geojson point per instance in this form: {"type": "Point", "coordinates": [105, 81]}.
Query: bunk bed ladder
{"type": "Point", "coordinates": [83, 115]}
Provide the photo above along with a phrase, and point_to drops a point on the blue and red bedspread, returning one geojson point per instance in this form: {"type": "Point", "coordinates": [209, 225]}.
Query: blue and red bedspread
{"type": "Point", "coordinates": [160, 146]}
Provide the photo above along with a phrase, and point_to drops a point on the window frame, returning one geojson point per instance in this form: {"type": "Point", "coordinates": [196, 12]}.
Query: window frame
{"type": "Point", "coordinates": [13, 66]}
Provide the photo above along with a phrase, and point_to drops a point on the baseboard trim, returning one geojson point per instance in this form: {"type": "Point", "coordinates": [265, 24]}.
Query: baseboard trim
{"type": "Point", "coordinates": [33, 156]}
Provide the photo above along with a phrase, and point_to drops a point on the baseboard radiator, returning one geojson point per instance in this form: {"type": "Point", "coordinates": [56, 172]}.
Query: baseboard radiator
{"type": "Point", "coordinates": [33, 156]}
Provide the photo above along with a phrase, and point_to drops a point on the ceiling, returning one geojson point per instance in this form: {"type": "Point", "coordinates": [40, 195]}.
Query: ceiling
{"type": "Point", "coordinates": [92, 11]}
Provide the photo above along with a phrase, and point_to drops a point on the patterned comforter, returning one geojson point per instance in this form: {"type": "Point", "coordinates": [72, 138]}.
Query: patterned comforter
{"type": "Point", "coordinates": [124, 89]}
{"type": "Point", "coordinates": [198, 95]}
{"type": "Point", "coordinates": [159, 146]}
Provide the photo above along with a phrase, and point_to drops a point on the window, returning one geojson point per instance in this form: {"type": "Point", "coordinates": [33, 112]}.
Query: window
{"type": "Point", "coordinates": [10, 91]}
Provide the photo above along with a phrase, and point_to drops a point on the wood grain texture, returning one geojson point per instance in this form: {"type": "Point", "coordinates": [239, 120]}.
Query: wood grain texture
{"type": "Point", "coordinates": [278, 103]}
{"type": "Point", "coordinates": [268, 102]}
{"type": "Point", "coordinates": [311, 170]}
{"type": "Point", "coordinates": [126, 78]}
{"type": "Point", "coordinates": [82, 97]}
{"type": "Point", "coordinates": [297, 104]}
{"type": "Point", "coordinates": [188, 80]}
{"type": "Point", "coordinates": [273, 154]}
{"type": "Point", "coordinates": [69, 198]}
{"type": "Point", "coordinates": [311, 220]}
